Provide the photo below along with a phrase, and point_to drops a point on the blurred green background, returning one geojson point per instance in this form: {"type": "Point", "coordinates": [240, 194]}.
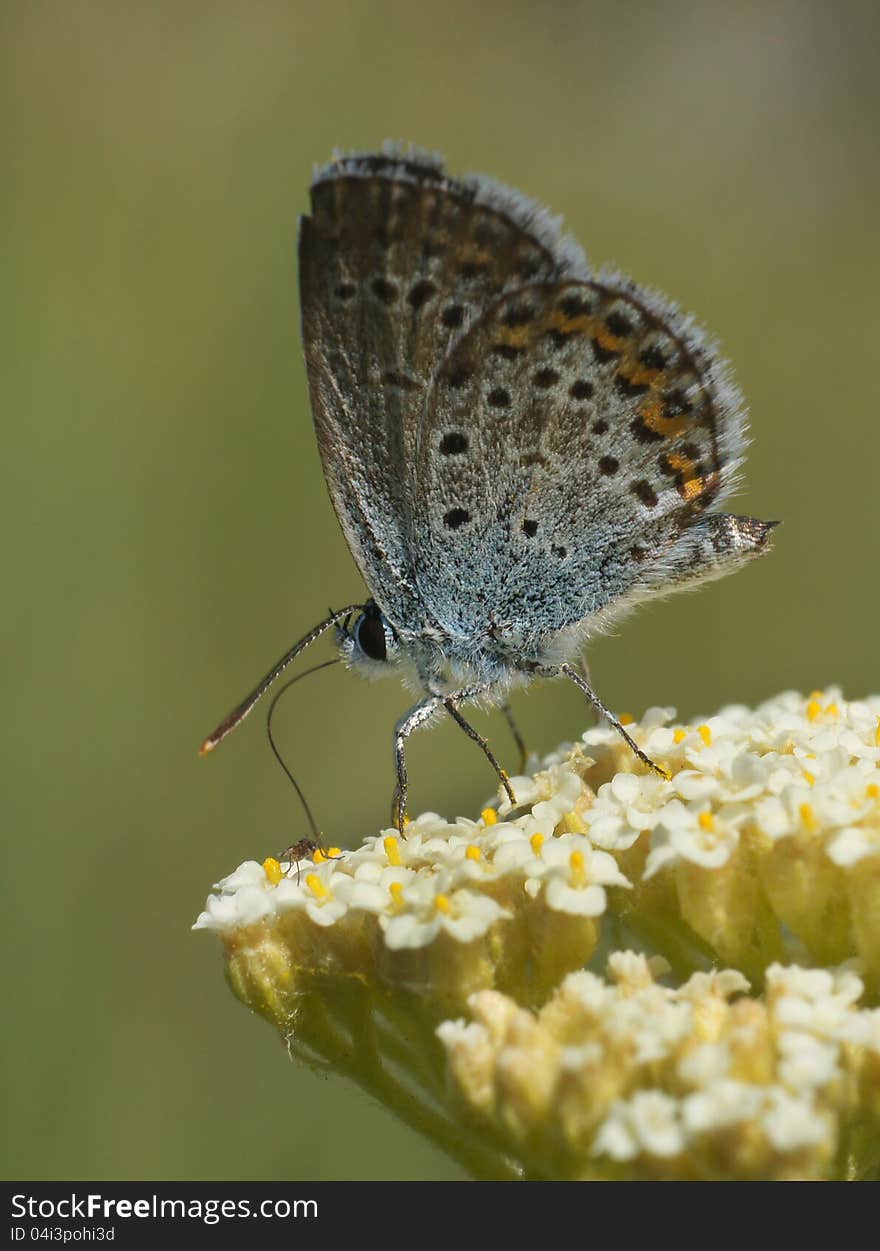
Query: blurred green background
{"type": "Point", "coordinates": [167, 530]}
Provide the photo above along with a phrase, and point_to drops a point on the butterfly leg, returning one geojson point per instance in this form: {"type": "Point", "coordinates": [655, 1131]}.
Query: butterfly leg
{"type": "Point", "coordinates": [417, 715]}
{"type": "Point", "coordinates": [517, 736]}
{"type": "Point", "coordinates": [582, 684]}
{"type": "Point", "coordinates": [450, 704]}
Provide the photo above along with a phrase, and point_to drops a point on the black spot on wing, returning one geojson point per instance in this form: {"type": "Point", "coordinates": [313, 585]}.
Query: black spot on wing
{"type": "Point", "coordinates": [581, 389]}
{"type": "Point", "coordinates": [499, 398]}
{"type": "Point", "coordinates": [454, 443]}
{"type": "Point", "coordinates": [545, 378]}
{"type": "Point", "coordinates": [452, 316]}
{"type": "Point", "coordinates": [421, 293]}
{"type": "Point", "coordinates": [455, 518]}
{"type": "Point", "coordinates": [644, 492]}
{"type": "Point", "coordinates": [384, 290]}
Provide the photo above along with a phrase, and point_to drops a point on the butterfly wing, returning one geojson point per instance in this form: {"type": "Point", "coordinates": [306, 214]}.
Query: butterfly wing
{"type": "Point", "coordinates": [397, 262]}
{"type": "Point", "coordinates": [572, 444]}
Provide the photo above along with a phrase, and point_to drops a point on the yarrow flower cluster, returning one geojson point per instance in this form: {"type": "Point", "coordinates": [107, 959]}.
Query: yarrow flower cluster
{"type": "Point", "coordinates": [628, 1078]}
{"type": "Point", "coordinates": [762, 846]}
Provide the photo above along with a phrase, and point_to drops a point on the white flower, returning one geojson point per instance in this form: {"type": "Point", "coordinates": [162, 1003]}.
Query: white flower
{"type": "Point", "coordinates": [516, 852]}
{"type": "Point", "coordinates": [226, 912]}
{"type": "Point", "coordinates": [792, 1122]}
{"type": "Point", "coordinates": [526, 790]}
{"type": "Point", "coordinates": [551, 793]}
{"type": "Point", "coordinates": [691, 784]}
{"type": "Point", "coordinates": [646, 1124]}
{"type": "Point", "coordinates": [250, 873]}
{"type": "Point", "coordinates": [722, 1103]}
{"type": "Point", "coordinates": [633, 970]}
{"type": "Point", "coordinates": [815, 985]}
{"type": "Point", "coordinates": [380, 894]}
{"type": "Point", "coordinates": [650, 1025]}
{"type": "Point", "coordinates": [586, 989]}
{"type": "Point", "coordinates": [656, 716]}
{"type": "Point", "coordinates": [852, 844]}
{"type": "Point", "coordinates": [806, 1062]}
{"type": "Point", "coordinates": [684, 834]}
{"type": "Point", "coordinates": [816, 1001]}
{"type": "Point", "coordinates": [703, 1065]}
{"type": "Point", "coordinates": [723, 983]}
{"type": "Point", "coordinates": [776, 819]}
{"type": "Point", "coordinates": [325, 892]}
{"type": "Point", "coordinates": [427, 910]}
{"type": "Point", "coordinates": [573, 875]}
{"type": "Point", "coordinates": [566, 789]}
{"type": "Point", "coordinates": [624, 808]}
{"type": "Point", "coordinates": [244, 900]}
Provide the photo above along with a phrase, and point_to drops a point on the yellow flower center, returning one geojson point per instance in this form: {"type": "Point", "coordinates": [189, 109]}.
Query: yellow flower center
{"type": "Point", "coordinates": [489, 816]}
{"type": "Point", "coordinates": [317, 887]}
{"type": "Point", "coordinates": [473, 853]}
{"type": "Point", "coordinates": [442, 904]}
{"type": "Point", "coordinates": [392, 851]}
{"type": "Point", "coordinates": [537, 842]}
{"type": "Point", "coordinates": [707, 822]}
{"type": "Point", "coordinates": [705, 734]}
{"type": "Point", "coordinates": [272, 869]}
{"type": "Point", "coordinates": [578, 868]}
{"type": "Point", "coordinates": [808, 817]}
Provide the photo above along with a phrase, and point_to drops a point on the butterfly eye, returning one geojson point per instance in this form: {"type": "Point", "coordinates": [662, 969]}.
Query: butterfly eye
{"type": "Point", "coordinates": [370, 635]}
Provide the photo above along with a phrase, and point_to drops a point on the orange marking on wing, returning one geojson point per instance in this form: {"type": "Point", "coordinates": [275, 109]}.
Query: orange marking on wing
{"type": "Point", "coordinates": [690, 484]}
{"type": "Point", "coordinates": [517, 336]}
{"type": "Point", "coordinates": [610, 342]}
{"type": "Point", "coordinates": [652, 414]}
{"type": "Point", "coordinates": [571, 325]}
{"type": "Point", "coordinates": [697, 486]}
{"type": "Point", "coordinates": [682, 464]}
{"type": "Point", "coordinates": [640, 376]}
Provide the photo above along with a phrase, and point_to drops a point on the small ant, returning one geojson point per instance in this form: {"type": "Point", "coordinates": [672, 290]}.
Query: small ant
{"type": "Point", "coordinates": [303, 849]}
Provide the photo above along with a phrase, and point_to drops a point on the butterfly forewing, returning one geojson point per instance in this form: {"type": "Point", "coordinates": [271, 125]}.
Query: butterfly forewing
{"type": "Point", "coordinates": [396, 262]}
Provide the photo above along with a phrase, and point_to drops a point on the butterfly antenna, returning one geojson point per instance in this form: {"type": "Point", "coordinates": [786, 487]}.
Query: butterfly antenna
{"type": "Point", "coordinates": [296, 786]}
{"type": "Point", "coordinates": [238, 714]}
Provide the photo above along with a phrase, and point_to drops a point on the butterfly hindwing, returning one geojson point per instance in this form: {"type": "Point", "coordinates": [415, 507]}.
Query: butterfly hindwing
{"type": "Point", "coordinates": [571, 437]}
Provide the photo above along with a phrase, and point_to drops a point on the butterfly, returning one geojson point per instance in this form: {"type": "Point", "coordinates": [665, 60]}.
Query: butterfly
{"type": "Point", "coordinates": [518, 449]}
